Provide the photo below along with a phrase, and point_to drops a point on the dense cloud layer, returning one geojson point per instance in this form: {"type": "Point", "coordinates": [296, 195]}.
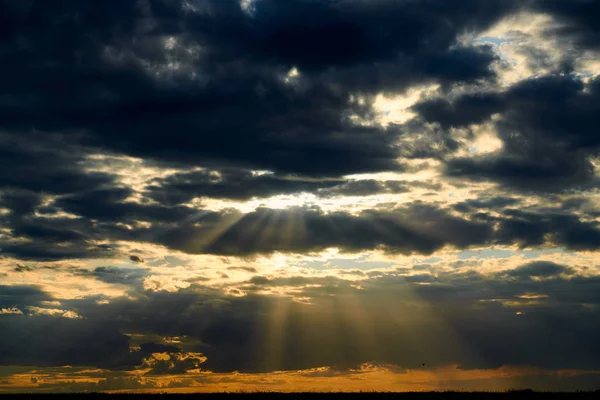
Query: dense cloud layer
{"type": "Point", "coordinates": [577, 20]}
{"type": "Point", "coordinates": [249, 334]}
{"type": "Point", "coordinates": [235, 130]}
{"type": "Point", "coordinates": [548, 126]}
{"type": "Point", "coordinates": [415, 228]}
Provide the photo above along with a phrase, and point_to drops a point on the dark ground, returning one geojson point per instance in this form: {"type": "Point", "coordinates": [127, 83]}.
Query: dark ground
{"type": "Point", "coordinates": [318, 396]}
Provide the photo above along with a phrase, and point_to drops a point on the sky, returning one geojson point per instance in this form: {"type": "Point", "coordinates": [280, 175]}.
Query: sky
{"type": "Point", "coordinates": [299, 195]}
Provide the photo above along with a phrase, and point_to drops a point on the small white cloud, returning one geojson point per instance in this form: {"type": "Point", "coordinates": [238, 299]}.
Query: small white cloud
{"type": "Point", "coordinates": [53, 303]}
{"type": "Point", "coordinates": [54, 312]}
{"type": "Point", "coordinates": [10, 311]}
{"type": "Point", "coordinates": [168, 284]}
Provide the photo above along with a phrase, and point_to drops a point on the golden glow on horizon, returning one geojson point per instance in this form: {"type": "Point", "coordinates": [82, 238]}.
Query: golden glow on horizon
{"type": "Point", "coordinates": [368, 377]}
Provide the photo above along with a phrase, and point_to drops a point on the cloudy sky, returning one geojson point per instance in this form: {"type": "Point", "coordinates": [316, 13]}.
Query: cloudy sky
{"type": "Point", "coordinates": [207, 195]}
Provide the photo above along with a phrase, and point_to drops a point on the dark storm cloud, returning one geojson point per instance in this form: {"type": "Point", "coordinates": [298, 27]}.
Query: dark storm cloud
{"type": "Point", "coordinates": [51, 341]}
{"type": "Point", "coordinates": [568, 104]}
{"type": "Point", "coordinates": [540, 269]}
{"type": "Point", "coordinates": [48, 251]}
{"type": "Point", "coordinates": [150, 347]}
{"type": "Point", "coordinates": [415, 228]}
{"type": "Point", "coordinates": [548, 126]}
{"type": "Point", "coordinates": [111, 205]}
{"type": "Point", "coordinates": [321, 34]}
{"type": "Point", "coordinates": [55, 235]}
{"type": "Point", "coordinates": [230, 232]}
{"type": "Point", "coordinates": [21, 296]}
{"type": "Point", "coordinates": [466, 110]}
{"type": "Point", "coordinates": [578, 19]}
{"type": "Point", "coordinates": [32, 171]}
{"type": "Point", "coordinates": [230, 184]}
{"type": "Point", "coordinates": [367, 187]}
{"type": "Point", "coordinates": [48, 239]}
{"type": "Point", "coordinates": [90, 70]}
{"type": "Point", "coordinates": [42, 340]}
{"type": "Point", "coordinates": [244, 185]}
{"type": "Point", "coordinates": [240, 334]}
{"type": "Point", "coordinates": [20, 202]}
{"type": "Point", "coordinates": [494, 203]}
{"type": "Point", "coordinates": [550, 173]}
{"type": "Point", "coordinates": [39, 165]}
{"type": "Point", "coordinates": [365, 46]}
{"type": "Point", "coordinates": [534, 229]}
{"type": "Point", "coordinates": [205, 83]}
{"type": "Point", "coordinates": [418, 228]}
{"type": "Point", "coordinates": [562, 301]}
{"type": "Point", "coordinates": [108, 85]}
{"type": "Point", "coordinates": [123, 276]}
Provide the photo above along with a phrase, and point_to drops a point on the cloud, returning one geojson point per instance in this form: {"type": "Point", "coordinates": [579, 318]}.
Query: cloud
{"type": "Point", "coordinates": [264, 117]}
{"type": "Point", "coordinates": [23, 268]}
{"type": "Point", "coordinates": [318, 335]}
{"type": "Point", "coordinates": [162, 283]}
{"type": "Point", "coordinates": [534, 229]}
{"type": "Point", "coordinates": [230, 184]}
{"type": "Point", "coordinates": [540, 269]}
{"type": "Point", "coordinates": [366, 187]}
{"type": "Point", "coordinates": [150, 347]}
{"type": "Point", "coordinates": [418, 228]}
{"type": "Point", "coordinates": [576, 20]}
{"type": "Point", "coordinates": [36, 164]}
{"type": "Point", "coordinates": [173, 363]}
{"type": "Point", "coordinates": [51, 341]}
{"type": "Point", "coordinates": [494, 203]}
{"type": "Point", "coordinates": [20, 296]}
{"type": "Point", "coordinates": [10, 311]}
{"type": "Point", "coordinates": [411, 228]}
{"type": "Point", "coordinates": [136, 259]}
{"type": "Point", "coordinates": [124, 276]}
{"type": "Point", "coordinates": [245, 185]}
{"type": "Point", "coordinates": [467, 110]}
{"type": "Point", "coordinates": [157, 129]}
{"type": "Point", "coordinates": [401, 43]}
{"type": "Point", "coordinates": [547, 126]}
{"type": "Point", "coordinates": [53, 312]}
{"type": "Point", "coordinates": [251, 270]}
{"type": "Point", "coordinates": [241, 334]}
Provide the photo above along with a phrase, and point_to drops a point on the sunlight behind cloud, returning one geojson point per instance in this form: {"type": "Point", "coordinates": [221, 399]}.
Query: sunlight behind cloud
{"type": "Point", "coordinates": [396, 109]}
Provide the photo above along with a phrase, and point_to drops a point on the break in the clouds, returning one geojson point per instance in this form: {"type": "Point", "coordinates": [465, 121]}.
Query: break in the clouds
{"type": "Point", "coordinates": [312, 193]}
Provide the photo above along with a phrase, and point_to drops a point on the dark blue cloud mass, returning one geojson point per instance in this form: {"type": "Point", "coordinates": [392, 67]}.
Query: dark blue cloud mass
{"type": "Point", "coordinates": [144, 142]}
